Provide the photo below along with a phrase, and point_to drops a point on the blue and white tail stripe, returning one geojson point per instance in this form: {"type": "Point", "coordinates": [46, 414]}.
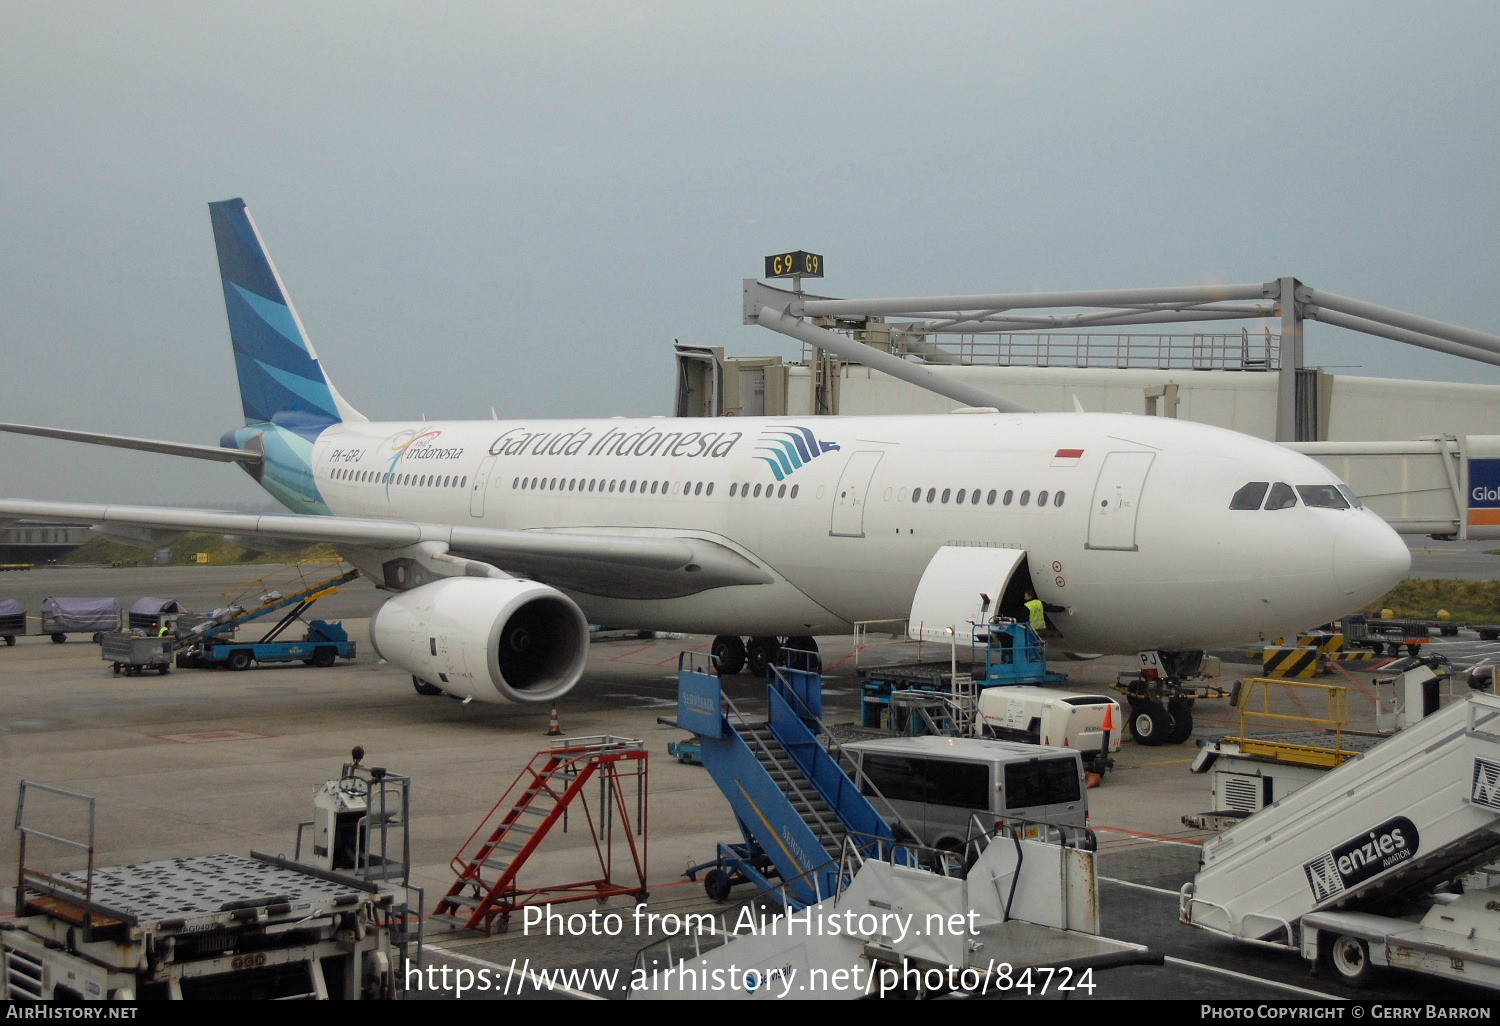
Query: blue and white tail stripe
{"type": "Point", "coordinates": [287, 400]}
{"type": "Point", "coordinates": [281, 381]}
{"type": "Point", "coordinates": [790, 448]}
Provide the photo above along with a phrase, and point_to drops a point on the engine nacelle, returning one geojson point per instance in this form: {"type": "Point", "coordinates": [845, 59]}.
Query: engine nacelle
{"type": "Point", "coordinates": [485, 638]}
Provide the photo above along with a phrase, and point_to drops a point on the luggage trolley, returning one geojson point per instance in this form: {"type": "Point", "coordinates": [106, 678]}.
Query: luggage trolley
{"type": "Point", "coordinates": [12, 620]}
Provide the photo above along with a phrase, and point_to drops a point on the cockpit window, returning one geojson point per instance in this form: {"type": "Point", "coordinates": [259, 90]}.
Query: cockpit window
{"type": "Point", "coordinates": [1249, 496]}
{"type": "Point", "coordinates": [1353, 499]}
{"type": "Point", "coordinates": [1325, 496]}
{"type": "Point", "coordinates": [1281, 497]}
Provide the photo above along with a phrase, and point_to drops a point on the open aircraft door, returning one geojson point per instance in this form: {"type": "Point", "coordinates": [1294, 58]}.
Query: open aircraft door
{"type": "Point", "coordinates": [849, 497]}
{"type": "Point", "coordinates": [1117, 497]}
{"type": "Point", "coordinates": [949, 595]}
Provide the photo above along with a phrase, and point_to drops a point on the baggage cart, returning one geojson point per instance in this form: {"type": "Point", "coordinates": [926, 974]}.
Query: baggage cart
{"type": "Point", "coordinates": [133, 654]}
{"type": "Point", "coordinates": [93, 616]}
{"type": "Point", "coordinates": [12, 620]}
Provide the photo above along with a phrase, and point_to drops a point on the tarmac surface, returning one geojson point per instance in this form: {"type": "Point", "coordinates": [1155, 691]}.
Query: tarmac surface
{"type": "Point", "coordinates": [200, 762]}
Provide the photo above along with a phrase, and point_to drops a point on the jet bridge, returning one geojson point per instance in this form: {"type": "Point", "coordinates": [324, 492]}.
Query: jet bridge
{"type": "Point", "coordinates": [1285, 298]}
{"type": "Point", "coordinates": [1416, 812]}
{"type": "Point", "coordinates": [1447, 486]}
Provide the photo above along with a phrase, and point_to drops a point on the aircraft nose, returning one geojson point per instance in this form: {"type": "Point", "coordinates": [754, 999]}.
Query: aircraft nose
{"type": "Point", "coordinates": [1369, 559]}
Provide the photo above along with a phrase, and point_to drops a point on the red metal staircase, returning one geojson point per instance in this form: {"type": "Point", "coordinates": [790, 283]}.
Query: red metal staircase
{"type": "Point", "coordinates": [552, 785]}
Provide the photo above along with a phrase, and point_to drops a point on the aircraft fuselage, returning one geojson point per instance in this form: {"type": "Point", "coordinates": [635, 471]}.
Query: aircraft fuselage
{"type": "Point", "coordinates": [1125, 519]}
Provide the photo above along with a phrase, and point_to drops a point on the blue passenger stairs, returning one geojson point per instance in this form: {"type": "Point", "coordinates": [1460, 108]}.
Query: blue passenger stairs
{"type": "Point", "coordinates": [798, 811]}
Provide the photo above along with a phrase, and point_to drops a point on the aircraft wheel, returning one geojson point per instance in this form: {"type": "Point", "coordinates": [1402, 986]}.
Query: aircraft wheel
{"type": "Point", "coordinates": [1180, 711]}
{"type": "Point", "coordinates": [1150, 725]}
{"type": "Point", "coordinates": [1349, 958]}
{"type": "Point", "coordinates": [424, 688]}
{"type": "Point", "coordinates": [716, 884]}
{"type": "Point", "coordinates": [804, 643]}
{"type": "Point", "coordinates": [239, 659]}
{"type": "Point", "coordinates": [760, 653]}
{"type": "Point", "coordinates": [729, 654]}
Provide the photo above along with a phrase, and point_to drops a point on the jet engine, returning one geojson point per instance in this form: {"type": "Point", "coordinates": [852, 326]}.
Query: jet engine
{"type": "Point", "coordinates": [485, 638]}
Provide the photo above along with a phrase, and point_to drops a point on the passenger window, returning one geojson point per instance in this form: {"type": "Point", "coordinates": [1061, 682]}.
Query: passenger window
{"type": "Point", "coordinates": [1325, 496]}
{"type": "Point", "coordinates": [1281, 497]}
{"type": "Point", "coordinates": [1008, 495]}
{"type": "Point", "coordinates": [1249, 496]}
{"type": "Point", "coordinates": [946, 493]}
{"type": "Point", "coordinates": [1041, 498]}
{"type": "Point", "coordinates": [960, 496]}
{"type": "Point", "coordinates": [1057, 500]}
{"type": "Point", "coordinates": [1025, 497]}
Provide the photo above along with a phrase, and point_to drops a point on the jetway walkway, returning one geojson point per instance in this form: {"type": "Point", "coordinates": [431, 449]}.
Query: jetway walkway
{"type": "Point", "coordinates": [1447, 487]}
{"type": "Point", "coordinates": [1418, 810]}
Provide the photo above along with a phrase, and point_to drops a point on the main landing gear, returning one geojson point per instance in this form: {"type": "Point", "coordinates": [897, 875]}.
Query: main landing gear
{"type": "Point", "coordinates": [1162, 695]}
{"type": "Point", "coordinates": [732, 654]}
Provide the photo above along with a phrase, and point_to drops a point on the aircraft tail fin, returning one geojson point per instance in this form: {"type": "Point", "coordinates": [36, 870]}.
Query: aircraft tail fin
{"type": "Point", "coordinates": [281, 380]}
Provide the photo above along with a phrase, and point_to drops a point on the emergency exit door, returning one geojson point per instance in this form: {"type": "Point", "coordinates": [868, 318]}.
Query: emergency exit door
{"type": "Point", "coordinates": [1117, 497]}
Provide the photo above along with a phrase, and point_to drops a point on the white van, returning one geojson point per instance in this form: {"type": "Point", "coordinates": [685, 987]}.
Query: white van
{"type": "Point", "coordinates": [1045, 716]}
{"type": "Point", "coordinates": [937, 785]}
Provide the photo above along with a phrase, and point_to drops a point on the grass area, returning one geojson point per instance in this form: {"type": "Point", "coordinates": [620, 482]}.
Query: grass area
{"type": "Point", "coordinates": [220, 553]}
{"type": "Point", "coordinates": [1465, 601]}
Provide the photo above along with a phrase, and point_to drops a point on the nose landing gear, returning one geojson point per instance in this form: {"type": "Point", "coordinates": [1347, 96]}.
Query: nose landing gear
{"type": "Point", "coordinates": [1161, 697]}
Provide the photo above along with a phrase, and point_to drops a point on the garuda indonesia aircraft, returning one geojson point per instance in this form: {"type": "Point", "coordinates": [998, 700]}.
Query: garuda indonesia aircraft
{"type": "Point", "coordinates": [502, 541]}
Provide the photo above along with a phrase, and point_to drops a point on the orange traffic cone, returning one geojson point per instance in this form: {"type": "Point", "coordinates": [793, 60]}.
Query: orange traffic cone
{"type": "Point", "coordinates": [554, 729]}
{"type": "Point", "coordinates": [1108, 726]}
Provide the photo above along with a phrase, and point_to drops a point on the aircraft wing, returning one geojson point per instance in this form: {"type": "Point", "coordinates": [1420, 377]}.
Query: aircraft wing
{"type": "Point", "coordinates": [197, 452]}
{"type": "Point", "coordinates": [613, 565]}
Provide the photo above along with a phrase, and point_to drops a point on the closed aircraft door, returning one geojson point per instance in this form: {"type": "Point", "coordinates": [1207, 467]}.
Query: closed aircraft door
{"type": "Point", "coordinates": [1117, 496]}
{"type": "Point", "coordinates": [849, 498]}
{"type": "Point", "coordinates": [479, 486]}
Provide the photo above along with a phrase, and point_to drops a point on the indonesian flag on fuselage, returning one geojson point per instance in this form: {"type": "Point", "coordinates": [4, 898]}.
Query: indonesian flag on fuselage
{"type": "Point", "coordinates": [1067, 457]}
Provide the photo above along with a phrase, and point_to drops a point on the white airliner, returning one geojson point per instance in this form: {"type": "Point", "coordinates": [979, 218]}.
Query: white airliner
{"type": "Point", "coordinates": [502, 541]}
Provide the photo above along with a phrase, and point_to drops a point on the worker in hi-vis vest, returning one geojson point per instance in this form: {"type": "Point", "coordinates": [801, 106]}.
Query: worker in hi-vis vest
{"type": "Point", "coordinates": [1037, 613]}
{"type": "Point", "coordinates": [1037, 610]}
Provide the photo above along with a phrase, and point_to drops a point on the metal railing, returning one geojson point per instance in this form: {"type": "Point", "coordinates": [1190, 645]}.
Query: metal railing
{"type": "Point", "coordinates": [1240, 351]}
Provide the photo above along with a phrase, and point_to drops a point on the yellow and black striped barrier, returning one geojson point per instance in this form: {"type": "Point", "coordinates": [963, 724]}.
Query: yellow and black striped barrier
{"type": "Point", "coordinates": [1283, 661]}
{"type": "Point", "coordinates": [1326, 642]}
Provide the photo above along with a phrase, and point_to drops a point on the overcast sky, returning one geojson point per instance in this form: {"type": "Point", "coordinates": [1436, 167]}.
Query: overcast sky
{"type": "Point", "coordinates": [522, 205]}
